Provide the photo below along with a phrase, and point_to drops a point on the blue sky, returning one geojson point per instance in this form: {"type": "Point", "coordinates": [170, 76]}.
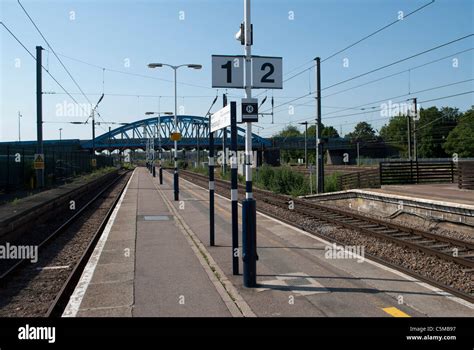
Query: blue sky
{"type": "Point", "coordinates": [110, 34]}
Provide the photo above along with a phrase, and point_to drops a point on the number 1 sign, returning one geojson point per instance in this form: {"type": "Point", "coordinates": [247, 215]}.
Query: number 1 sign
{"type": "Point", "coordinates": [227, 71]}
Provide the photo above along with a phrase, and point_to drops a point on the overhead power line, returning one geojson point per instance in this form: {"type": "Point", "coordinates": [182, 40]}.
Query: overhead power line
{"type": "Point", "coordinates": [54, 52]}
{"type": "Point", "coordinates": [132, 74]}
{"type": "Point", "coordinates": [47, 71]}
{"type": "Point", "coordinates": [380, 68]}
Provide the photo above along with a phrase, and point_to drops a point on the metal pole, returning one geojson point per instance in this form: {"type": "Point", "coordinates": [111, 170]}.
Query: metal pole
{"type": "Point", "coordinates": [153, 151]}
{"type": "Point", "coordinates": [415, 148]}
{"type": "Point", "coordinates": [249, 208]}
{"type": "Point", "coordinates": [39, 113]}
{"type": "Point", "coordinates": [19, 127]}
{"type": "Point", "coordinates": [198, 130]}
{"type": "Point", "coordinates": [234, 189]}
{"type": "Point", "coordinates": [224, 141]}
{"type": "Point", "coordinates": [320, 155]}
{"type": "Point", "coordinates": [160, 150]}
{"type": "Point", "coordinates": [176, 178]}
{"type": "Point", "coordinates": [409, 135]}
{"type": "Point", "coordinates": [211, 186]}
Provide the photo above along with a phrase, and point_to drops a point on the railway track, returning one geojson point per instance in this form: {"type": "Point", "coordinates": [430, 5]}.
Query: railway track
{"type": "Point", "coordinates": [64, 253]}
{"type": "Point", "coordinates": [449, 249]}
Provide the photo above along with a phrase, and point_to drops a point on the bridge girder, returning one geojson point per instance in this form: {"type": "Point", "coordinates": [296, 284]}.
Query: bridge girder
{"type": "Point", "coordinates": [131, 136]}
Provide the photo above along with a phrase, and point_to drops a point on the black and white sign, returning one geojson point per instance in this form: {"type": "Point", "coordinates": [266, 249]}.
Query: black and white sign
{"type": "Point", "coordinates": [220, 119]}
{"type": "Point", "coordinates": [267, 72]}
{"type": "Point", "coordinates": [249, 110]}
{"type": "Point", "coordinates": [227, 71]}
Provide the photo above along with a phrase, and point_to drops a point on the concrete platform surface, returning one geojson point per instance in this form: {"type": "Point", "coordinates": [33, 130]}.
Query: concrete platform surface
{"type": "Point", "coordinates": [437, 192]}
{"type": "Point", "coordinates": [170, 269]}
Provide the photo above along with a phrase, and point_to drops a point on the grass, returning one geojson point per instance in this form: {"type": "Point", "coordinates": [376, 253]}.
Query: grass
{"type": "Point", "coordinates": [282, 180]}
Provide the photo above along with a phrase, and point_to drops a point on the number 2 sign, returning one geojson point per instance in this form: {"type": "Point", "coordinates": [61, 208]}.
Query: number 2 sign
{"type": "Point", "coordinates": [267, 72]}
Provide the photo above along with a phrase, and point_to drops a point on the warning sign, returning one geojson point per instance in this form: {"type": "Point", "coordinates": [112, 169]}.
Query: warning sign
{"type": "Point", "coordinates": [94, 162]}
{"type": "Point", "coordinates": [38, 161]}
{"type": "Point", "coordinates": [175, 136]}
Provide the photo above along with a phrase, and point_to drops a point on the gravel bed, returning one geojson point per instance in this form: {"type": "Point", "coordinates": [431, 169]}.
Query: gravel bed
{"type": "Point", "coordinates": [438, 269]}
{"type": "Point", "coordinates": [30, 291]}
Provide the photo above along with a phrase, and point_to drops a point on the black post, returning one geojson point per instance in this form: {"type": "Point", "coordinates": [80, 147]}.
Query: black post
{"type": "Point", "coordinates": [224, 141]}
{"type": "Point", "coordinates": [318, 129]}
{"type": "Point", "coordinates": [211, 185]}
{"type": "Point", "coordinates": [234, 189]}
{"type": "Point", "coordinates": [8, 168]}
{"type": "Point", "coordinates": [39, 113]}
{"type": "Point", "coordinates": [409, 136]}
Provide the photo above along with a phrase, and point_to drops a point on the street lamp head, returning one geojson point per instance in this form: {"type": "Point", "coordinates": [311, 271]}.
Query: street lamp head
{"type": "Point", "coordinates": [168, 113]}
{"type": "Point", "coordinates": [194, 66]}
{"type": "Point", "coordinates": [149, 113]}
{"type": "Point", "coordinates": [155, 65]}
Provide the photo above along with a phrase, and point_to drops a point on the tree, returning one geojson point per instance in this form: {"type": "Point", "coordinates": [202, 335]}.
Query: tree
{"type": "Point", "coordinates": [289, 131]}
{"type": "Point", "coordinates": [290, 155]}
{"type": "Point", "coordinates": [395, 134]}
{"type": "Point", "coordinates": [433, 129]}
{"type": "Point", "coordinates": [363, 131]}
{"type": "Point", "coordinates": [461, 139]}
{"type": "Point", "coordinates": [327, 131]}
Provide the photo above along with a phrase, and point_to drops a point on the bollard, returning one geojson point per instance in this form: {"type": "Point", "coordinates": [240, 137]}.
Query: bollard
{"type": "Point", "coordinates": [176, 185]}
{"type": "Point", "coordinates": [161, 175]}
{"type": "Point", "coordinates": [154, 171]}
{"type": "Point", "coordinates": [249, 242]}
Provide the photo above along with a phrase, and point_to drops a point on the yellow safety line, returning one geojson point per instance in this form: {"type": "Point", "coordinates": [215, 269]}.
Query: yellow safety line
{"type": "Point", "coordinates": [393, 311]}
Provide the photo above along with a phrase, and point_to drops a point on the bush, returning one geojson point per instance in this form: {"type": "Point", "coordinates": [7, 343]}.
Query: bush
{"type": "Point", "coordinates": [282, 180]}
{"type": "Point", "coordinates": [330, 183]}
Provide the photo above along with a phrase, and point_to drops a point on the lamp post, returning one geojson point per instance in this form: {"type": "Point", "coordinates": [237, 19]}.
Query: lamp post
{"type": "Point", "coordinates": [159, 142]}
{"type": "Point", "coordinates": [60, 134]}
{"type": "Point", "coordinates": [175, 69]}
{"type": "Point", "coordinates": [19, 128]}
{"type": "Point", "coordinates": [305, 143]}
{"type": "Point", "coordinates": [197, 125]}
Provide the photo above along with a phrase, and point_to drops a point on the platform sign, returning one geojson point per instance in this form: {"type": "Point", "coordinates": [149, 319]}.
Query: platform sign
{"type": "Point", "coordinates": [175, 136]}
{"type": "Point", "coordinates": [267, 72]}
{"type": "Point", "coordinates": [220, 119]}
{"type": "Point", "coordinates": [249, 110]}
{"type": "Point", "coordinates": [227, 71]}
{"type": "Point", "coordinates": [38, 161]}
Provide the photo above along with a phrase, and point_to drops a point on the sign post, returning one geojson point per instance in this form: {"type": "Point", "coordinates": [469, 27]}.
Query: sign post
{"type": "Point", "coordinates": [247, 72]}
{"type": "Point", "coordinates": [249, 207]}
{"type": "Point", "coordinates": [234, 189]}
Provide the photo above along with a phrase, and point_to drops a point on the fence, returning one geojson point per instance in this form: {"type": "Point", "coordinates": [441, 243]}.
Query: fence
{"type": "Point", "coordinates": [362, 179]}
{"type": "Point", "coordinates": [16, 166]}
{"type": "Point", "coordinates": [466, 175]}
{"type": "Point", "coordinates": [411, 172]}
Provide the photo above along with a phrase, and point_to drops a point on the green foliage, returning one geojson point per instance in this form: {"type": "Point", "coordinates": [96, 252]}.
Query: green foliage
{"type": "Point", "coordinates": [327, 131]}
{"type": "Point", "coordinates": [363, 131]}
{"type": "Point", "coordinates": [330, 183]}
{"type": "Point", "coordinates": [461, 139]}
{"type": "Point", "coordinates": [395, 133]}
{"type": "Point", "coordinates": [434, 127]}
{"type": "Point", "coordinates": [204, 170]}
{"type": "Point", "coordinates": [282, 180]}
{"type": "Point", "coordinates": [289, 131]}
